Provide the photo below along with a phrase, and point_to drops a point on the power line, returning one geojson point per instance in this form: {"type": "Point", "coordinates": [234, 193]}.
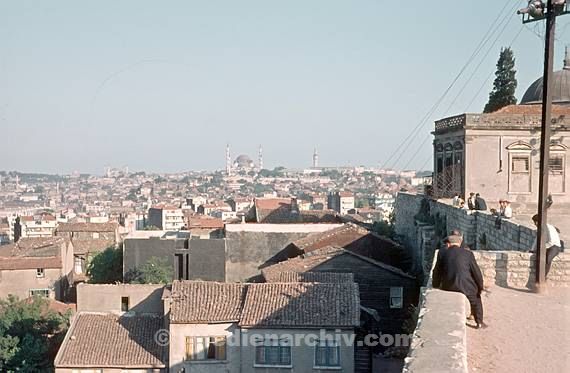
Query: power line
{"type": "Point", "coordinates": [409, 139]}
{"type": "Point", "coordinates": [506, 23]}
{"type": "Point", "coordinates": [471, 102]}
{"type": "Point", "coordinates": [491, 73]}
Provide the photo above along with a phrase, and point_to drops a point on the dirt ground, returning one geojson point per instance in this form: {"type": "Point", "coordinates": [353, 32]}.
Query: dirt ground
{"type": "Point", "coordinates": [527, 332]}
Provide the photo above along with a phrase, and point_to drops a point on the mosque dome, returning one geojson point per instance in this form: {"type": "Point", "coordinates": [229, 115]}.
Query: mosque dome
{"type": "Point", "coordinates": [560, 87]}
{"type": "Point", "coordinates": [243, 161]}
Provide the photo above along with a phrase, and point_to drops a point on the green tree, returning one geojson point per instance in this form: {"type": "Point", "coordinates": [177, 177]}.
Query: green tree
{"type": "Point", "coordinates": [106, 267]}
{"type": "Point", "coordinates": [505, 85]}
{"type": "Point", "coordinates": [385, 228]}
{"type": "Point", "coordinates": [151, 228]}
{"type": "Point", "coordinates": [154, 271]}
{"type": "Point", "coordinates": [30, 335]}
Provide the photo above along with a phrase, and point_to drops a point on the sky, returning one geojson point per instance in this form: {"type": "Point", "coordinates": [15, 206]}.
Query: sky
{"type": "Point", "coordinates": [163, 86]}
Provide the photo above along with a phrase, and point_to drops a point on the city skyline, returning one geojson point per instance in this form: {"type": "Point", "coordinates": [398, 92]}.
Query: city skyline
{"type": "Point", "coordinates": [142, 85]}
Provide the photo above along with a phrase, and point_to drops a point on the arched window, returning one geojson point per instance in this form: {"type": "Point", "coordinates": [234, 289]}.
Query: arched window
{"type": "Point", "coordinates": [448, 154]}
{"type": "Point", "coordinates": [438, 157]}
{"type": "Point", "coordinates": [520, 162]}
{"type": "Point", "coordinates": [557, 158]}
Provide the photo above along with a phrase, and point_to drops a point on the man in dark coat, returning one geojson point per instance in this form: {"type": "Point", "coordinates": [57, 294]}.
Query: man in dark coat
{"type": "Point", "coordinates": [480, 203]}
{"type": "Point", "coordinates": [457, 270]}
{"type": "Point", "coordinates": [471, 201]}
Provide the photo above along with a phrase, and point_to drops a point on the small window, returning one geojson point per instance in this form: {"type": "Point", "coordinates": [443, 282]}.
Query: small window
{"type": "Point", "coordinates": [125, 304]}
{"type": "Point", "coordinates": [556, 164]}
{"type": "Point", "coordinates": [273, 352]}
{"type": "Point", "coordinates": [327, 354]}
{"type": "Point", "coordinates": [520, 165]}
{"type": "Point", "coordinates": [78, 265]}
{"type": "Point", "coordinates": [44, 293]}
{"type": "Point", "coordinates": [205, 348]}
{"type": "Point", "coordinates": [40, 273]}
{"type": "Point", "coordinates": [396, 297]}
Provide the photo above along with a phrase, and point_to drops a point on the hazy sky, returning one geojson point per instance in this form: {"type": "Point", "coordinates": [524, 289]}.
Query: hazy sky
{"type": "Point", "coordinates": [164, 85]}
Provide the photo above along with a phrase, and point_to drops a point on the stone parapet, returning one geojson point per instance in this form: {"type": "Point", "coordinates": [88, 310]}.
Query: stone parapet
{"type": "Point", "coordinates": [517, 269]}
{"type": "Point", "coordinates": [439, 342]}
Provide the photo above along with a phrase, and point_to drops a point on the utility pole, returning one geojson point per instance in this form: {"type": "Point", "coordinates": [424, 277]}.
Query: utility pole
{"type": "Point", "coordinates": [537, 11]}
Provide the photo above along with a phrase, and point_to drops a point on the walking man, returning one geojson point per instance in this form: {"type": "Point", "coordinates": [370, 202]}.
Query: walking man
{"type": "Point", "coordinates": [457, 270]}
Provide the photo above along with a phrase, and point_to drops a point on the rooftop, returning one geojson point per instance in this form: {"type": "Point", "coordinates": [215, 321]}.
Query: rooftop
{"type": "Point", "coordinates": [302, 305]}
{"type": "Point", "coordinates": [111, 341]}
{"type": "Point", "coordinates": [522, 117]}
{"type": "Point", "coordinates": [206, 302]}
{"type": "Point", "coordinates": [87, 227]}
{"type": "Point", "coordinates": [32, 253]}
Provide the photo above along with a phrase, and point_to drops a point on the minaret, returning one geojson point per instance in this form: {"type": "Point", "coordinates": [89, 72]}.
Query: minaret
{"type": "Point", "coordinates": [228, 160]}
{"type": "Point", "coordinates": [567, 59]}
{"type": "Point", "coordinates": [260, 158]}
{"type": "Point", "coordinates": [315, 159]}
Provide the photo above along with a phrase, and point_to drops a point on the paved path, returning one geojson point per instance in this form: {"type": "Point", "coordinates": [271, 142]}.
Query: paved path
{"type": "Point", "coordinates": [527, 333]}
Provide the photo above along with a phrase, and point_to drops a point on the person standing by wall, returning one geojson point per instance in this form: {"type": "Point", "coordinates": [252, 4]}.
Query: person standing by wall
{"type": "Point", "coordinates": [553, 243]}
{"type": "Point", "coordinates": [457, 270]}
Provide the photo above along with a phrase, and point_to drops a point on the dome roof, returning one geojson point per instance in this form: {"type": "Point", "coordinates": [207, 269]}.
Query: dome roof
{"type": "Point", "coordinates": [560, 88]}
{"type": "Point", "coordinates": [243, 160]}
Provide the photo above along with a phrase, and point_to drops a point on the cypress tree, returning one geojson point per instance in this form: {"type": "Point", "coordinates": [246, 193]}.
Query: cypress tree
{"type": "Point", "coordinates": [505, 84]}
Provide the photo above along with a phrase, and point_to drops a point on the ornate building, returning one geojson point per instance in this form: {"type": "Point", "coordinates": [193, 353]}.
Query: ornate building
{"type": "Point", "coordinates": [497, 154]}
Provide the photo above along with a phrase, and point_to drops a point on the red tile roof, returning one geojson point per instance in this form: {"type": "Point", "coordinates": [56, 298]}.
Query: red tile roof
{"type": "Point", "coordinates": [87, 227]}
{"type": "Point", "coordinates": [310, 262]}
{"type": "Point", "coordinates": [111, 341]}
{"type": "Point", "coordinates": [206, 302]}
{"type": "Point", "coordinates": [32, 253]}
{"type": "Point", "coordinates": [272, 203]}
{"type": "Point", "coordinates": [328, 277]}
{"type": "Point", "coordinates": [360, 241]}
{"type": "Point", "coordinates": [340, 237]}
{"type": "Point", "coordinates": [30, 263]}
{"type": "Point", "coordinates": [201, 221]}
{"type": "Point", "coordinates": [309, 305]}
{"type": "Point", "coordinates": [533, 110]}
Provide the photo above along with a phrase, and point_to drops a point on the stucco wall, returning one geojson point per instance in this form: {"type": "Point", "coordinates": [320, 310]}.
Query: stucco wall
{"type": "Point", "coordinates": [177, 348]}
{"type": "Point", "coordinates": [250, 246]}
{"type": "Point", "coordinates": [483, 152]}
{"type": "Point", "coordinates": [203, 259]}
{"type": "Point", "coordinates": [302, 356]}
{"type": "Point", "coordinates": [107, 298]}
{"type": "Point", "coordinates": [20, 282]}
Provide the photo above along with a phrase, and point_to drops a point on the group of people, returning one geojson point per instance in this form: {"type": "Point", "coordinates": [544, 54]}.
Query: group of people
{"type": "Point", "coordinates": [456, 268]}
{"type": "Point", "coordinates": [474, 202]}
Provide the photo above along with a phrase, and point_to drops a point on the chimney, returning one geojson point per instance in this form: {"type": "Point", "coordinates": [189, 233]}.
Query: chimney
{"type": "Point", "coordinates": [294, 205]}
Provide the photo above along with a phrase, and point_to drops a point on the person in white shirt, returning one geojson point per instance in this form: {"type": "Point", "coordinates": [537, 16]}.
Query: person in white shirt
{"type": "Point", "coordinates": [506, 210]}
{"type": "Point", "coordinates": [553, 244]}
{"type": "Point", "coordinates": [456, 200]}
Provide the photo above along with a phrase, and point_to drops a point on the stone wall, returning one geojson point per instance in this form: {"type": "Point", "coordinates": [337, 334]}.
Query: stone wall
{"type": "Point", "coordinates": [517, 269]}
{"type": "Point", "coordinates": [510, 236]}
{"type": "Point", "coordinates": [439, 341]}
{"type": "Point", "coordinates": [478, 227]}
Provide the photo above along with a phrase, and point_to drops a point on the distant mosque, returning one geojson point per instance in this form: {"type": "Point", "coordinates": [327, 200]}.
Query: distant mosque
{"type": "Point", "coordinates": [243, 163]}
